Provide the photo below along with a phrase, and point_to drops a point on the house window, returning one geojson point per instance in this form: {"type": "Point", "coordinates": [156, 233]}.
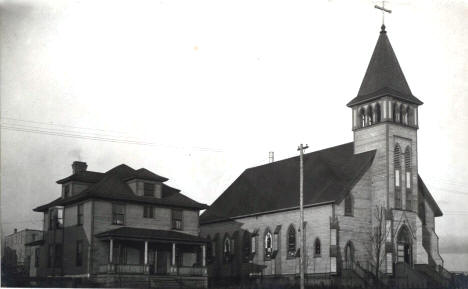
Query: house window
{"type": "Point", "coordinates": [118, 214]}
{"type": "Point", "coordinates": [148, 211]}
{"type": "Point", "coordinates": [177, 219]}
{"type": "Point", "coordinates": [80, 214]}
{"type": "Point", "coordinates": [79, 253]}
{"type": "Point", "coordinates": [58, 256]}
{"type": "Point", "coordinates": [148, 190]}
{"type": "Point", "coordinates": [348, 205]}
{"type": "Point", "coordinates": [50, 256]}
{"type": "Point", "coordinates": [66, 191]}
{"type": "Point", "coordinates": [268, 245]}
{"type": "Point", "coordinates": [291, 241]}
{"type": "Point", "coordinates": [37, 254]}
{"type": "Point", "coordinates": [55, 218]}
{"type": "Point", "coordinates": [317, 249]}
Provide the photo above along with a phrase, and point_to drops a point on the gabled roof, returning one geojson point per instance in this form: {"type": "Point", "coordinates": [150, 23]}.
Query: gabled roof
{"type": "Point", "coordinates": [384, 76]}
{"type": "Point", "coordinates": [425, 192]}
{"type": "Point", "coordinates": [144, 174]}
{"type": "Point", "coordinates": [150, 234]}
{"type": "Point", "coordinates": [113, 186]}
{"type": "Point", "coordinates": [329, 175]}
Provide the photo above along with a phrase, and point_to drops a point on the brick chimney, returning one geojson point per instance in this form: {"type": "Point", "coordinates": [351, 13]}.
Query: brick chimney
{"type": "Point", "coordinates": [16, 231]}
{"type": "Point", "coordinates": [79, 167]}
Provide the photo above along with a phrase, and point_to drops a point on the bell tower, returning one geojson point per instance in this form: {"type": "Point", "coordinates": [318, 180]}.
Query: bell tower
{"type": "Point", "coordinates": [385, 119]}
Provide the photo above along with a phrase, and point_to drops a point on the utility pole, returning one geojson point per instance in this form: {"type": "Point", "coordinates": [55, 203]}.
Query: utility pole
{"type": "Point", "coordinates": [301, 149]}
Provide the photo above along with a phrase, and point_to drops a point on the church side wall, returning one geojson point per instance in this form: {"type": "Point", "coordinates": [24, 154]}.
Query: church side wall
{"type": "Point", "coordinates": [355, 228]}
{"type": "Point", "coordinates": [317, 226]}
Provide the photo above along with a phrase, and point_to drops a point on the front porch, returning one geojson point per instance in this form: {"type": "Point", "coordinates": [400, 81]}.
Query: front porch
{"type": "Point", "coordinates": [153, 252]}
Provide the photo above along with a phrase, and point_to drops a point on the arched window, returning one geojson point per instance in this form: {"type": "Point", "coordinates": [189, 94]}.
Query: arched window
{"type": "Point", "coordinates": [317, 248]}
{"type": "Point", "coordinates": [409, 193]}
{"type": "Point", "coordinates": [362, 117]}
{"type": "Point", "coordinates": [349, 255]}
{"type": "Point", "coordinates": [246, 246]}
{"type": "Point", "coordinates": [268, 244]}
{"type": "Point", "coordinates": [348, 205]}
{"type": "Point", "coordinates": [370, 115]}
{"type": "Point", "coordinates": [404, 115]}
{"type": "Point", "coordinates": [400, 113]}
{"type": "Point", "coordinates": [378, 116]}
{"type": "Point", "coordinates": [291, 241]}
{"type": "Point", "coordinates": [395, 115]}
{"type": "Point", "coordinates": [410, 116]}
{"type": "Point", "coordinates": [397, 168]}
{"type": "Point", "coordinates": [227, 248]}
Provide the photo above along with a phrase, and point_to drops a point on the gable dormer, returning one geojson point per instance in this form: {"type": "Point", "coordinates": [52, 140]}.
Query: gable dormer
{"type": "Point", "coordinates": [145, 183]}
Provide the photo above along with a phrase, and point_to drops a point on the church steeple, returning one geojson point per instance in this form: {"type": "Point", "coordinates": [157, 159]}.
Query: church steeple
{"type": "Point", "coordinates": [384, 76]}
{"type": "Point", "coordinates": [384, 95]}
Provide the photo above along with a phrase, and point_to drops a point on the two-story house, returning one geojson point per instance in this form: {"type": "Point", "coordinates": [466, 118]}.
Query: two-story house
{"type": "Point", "coordinates": [16, 254]}
{"type": "Point", "coordinates": [120, 228]}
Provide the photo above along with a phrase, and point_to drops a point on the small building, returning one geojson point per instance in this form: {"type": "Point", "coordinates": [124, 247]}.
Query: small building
{"type": "Point", "coordinates": [121, 228]}
{"type": "Point", "coordinates": [368, 215]}
{"type": "Point", "coordinates": [16, 254]}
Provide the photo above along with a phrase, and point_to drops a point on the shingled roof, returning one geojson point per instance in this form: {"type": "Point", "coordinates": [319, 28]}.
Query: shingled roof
{"type": "Point", "coordinates": [384, 75]}
{"type": "Point", "coordinates": [329, 175]}
{"type": "Point", "coordinates": [112, 185]}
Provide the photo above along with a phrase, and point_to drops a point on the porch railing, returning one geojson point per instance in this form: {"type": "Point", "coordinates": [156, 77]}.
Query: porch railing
{"type": "Point", "coordinates": [192, 271]}
{"type": "Point", "coordinates": [127, 269]}
{"type": "Point", "coordinates": [145, 269]}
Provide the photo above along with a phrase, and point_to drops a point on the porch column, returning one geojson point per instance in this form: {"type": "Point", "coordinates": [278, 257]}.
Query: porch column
{"type": "Point", "coordinates": [203, 255]}
{"type": "Point", "coordinates": [173, 254]}
{"type": "Point", "coordinates": [111, 250]}
{"type": "Point", "coordinates": [146, 252]}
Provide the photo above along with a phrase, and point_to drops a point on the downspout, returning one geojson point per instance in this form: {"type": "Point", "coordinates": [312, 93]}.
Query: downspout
{"type": "Point", "coordinates": [91, 241]}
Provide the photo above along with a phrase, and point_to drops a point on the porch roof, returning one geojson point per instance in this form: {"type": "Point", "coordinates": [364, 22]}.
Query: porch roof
{"type": "Point", "coordinates": [129, 233]}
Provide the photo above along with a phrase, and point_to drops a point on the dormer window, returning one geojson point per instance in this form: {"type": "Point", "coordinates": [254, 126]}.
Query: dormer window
{"type": "Point", "coordinates": [148, 189]}
{"type": "Point", "coordinates": [66, 191]}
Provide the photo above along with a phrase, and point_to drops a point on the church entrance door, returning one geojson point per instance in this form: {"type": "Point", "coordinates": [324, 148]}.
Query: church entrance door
{"type": "Point", "coordinates": [404, 246]}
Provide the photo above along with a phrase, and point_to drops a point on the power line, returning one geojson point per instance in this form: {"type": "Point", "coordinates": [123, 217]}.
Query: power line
{"type": "Point", "coordinates": [56, 124]}
{"type": "Point", "coordinates": [70, 134]}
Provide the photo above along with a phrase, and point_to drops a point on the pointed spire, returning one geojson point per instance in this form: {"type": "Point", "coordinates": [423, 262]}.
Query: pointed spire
{"type": "Point", "coordinates": [384, 75]}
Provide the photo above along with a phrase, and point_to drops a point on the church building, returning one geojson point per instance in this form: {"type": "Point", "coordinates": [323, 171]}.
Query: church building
{"type": "Point", "coordinates": [367, 212]}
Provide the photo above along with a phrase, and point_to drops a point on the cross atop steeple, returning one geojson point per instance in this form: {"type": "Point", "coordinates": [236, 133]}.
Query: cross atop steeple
{"type": "Point", "coordinates": [383, 13]}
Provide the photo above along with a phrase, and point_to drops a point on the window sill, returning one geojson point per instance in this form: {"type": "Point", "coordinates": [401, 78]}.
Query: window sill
{"type": "Point", "coordinates": [318, 256]}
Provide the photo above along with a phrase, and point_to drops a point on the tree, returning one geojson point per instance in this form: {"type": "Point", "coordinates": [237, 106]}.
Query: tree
{"type": "Point", "coordinates": [378, 235]}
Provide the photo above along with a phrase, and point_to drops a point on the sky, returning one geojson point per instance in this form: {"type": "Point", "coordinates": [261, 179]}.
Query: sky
{"type": "Point", "coordinates": [198, 91]}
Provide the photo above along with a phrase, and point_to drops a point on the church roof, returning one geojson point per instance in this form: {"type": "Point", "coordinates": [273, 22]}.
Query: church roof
{"type": "Point", "coordinates": [112, 185]}
{"type": "Point", "coordinates": [384, 76]}
{"type": "Point", "coordinates": [329, 175]}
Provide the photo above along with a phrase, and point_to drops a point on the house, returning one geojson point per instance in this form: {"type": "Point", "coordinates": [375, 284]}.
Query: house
{"type": "Point", "coordinates": [121, 228]}
{"type": "Point", "coordinates": [16, 252]}
{"type": "Point", "coordinates": [351, 192]}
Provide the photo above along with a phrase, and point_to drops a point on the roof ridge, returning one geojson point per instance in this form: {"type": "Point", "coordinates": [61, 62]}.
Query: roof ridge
{"type": "Point", "coordinates": [305, 154]}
